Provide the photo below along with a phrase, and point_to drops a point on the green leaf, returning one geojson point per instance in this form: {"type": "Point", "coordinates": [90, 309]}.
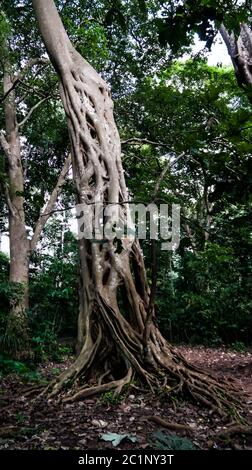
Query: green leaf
{"type": "Point", "coordinates": [116, 439]}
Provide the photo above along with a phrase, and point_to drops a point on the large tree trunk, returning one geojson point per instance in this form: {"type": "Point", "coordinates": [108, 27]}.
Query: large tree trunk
{"type": "Point", "coordinates": [17, 332]}
{"type": "Point", "coordinates": [115, 343]}
{"type": "Point", "coordinates": [240, 51]}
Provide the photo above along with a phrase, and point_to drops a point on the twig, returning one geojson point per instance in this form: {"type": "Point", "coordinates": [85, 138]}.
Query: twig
{"type": "Point", "coordinates": [50, 204]}
{"type": "Point", "coordinates": [22, 73]}
{"type": "Point", "coordinates": [137, 141]}
{"type": "Point", "coordinates": [4, 144]}
{"type": "Point", "coordinates": [21, 124]}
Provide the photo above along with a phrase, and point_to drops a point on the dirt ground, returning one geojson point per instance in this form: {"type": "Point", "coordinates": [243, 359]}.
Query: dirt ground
{"type": "Point", "coordinates": [81, 425]}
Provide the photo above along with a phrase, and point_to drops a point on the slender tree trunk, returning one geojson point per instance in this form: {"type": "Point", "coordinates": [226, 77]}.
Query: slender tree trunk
{"type": "Point", "coordinates": [17, 338]}
{"type": "Point", "coordinates": [17, 332]}
{"type": "Point", "coordinates": [113, 340]}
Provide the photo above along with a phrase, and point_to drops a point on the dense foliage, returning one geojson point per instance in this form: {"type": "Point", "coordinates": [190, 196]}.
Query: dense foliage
{"type": "Point", "coordinates": [203, 288]}
{"type": "Point", "coordinates": [173, 108]}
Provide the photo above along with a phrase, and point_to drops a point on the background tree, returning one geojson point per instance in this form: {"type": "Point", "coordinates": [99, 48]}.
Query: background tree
{"type": "Point", "coordinates": [22, 95]}
{"type": "Point", "coordinates": [184, 110]}
{"type": "Point", "coordinates": [180, 21]}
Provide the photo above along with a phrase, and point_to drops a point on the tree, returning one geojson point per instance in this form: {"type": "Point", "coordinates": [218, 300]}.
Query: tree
{"type": "Point", "coordinates": [117, 342]}
{"type": "Point", "coordinates": [183, 109]}
{"type": "Point", "coordinates": [240, 51]}
{"type": "Point", "coordinates": [16, 337]}
{"type": "Point", "coordinates": [232, 19]}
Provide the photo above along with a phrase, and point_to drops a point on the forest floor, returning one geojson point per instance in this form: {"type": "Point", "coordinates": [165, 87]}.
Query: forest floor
{"type": "Point", "coordinates": [81, 425]}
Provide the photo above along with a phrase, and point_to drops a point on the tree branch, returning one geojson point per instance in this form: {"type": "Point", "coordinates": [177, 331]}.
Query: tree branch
{"type": "Point", "coordinates": [22, 73]}
{"type": "Point", "coordinates": [30, 64]}
{"type": "Point", "coordinates": [167, 167]}
{"type": "Point", "coordinates": [8, 200]}
{"type": "Point", "coordinates": [30, 89]}
{"type": "Point", "coordinates": [138, 141]}
{"type": "Point", "coordinates": [5, 145]}
{"type": "Point", "coordinates": [50, 204]}
{"type": "Point", "coordinates": [229, 41]}
{"type": "Point", "coordinates": [21, 124]}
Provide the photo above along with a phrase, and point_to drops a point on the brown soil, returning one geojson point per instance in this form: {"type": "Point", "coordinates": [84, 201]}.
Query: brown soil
{"type": "Point", "coordinates": [80, 425]}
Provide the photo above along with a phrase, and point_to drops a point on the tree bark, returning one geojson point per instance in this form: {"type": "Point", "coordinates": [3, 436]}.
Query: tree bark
{"type": "Point", "coordinates": [17, 332]}
{"type": "Point", "coordinates": [240, 51]}
{"type": "Point", "coordinates": [17, 337]}
{"type": "Point", "coordinates": [112, 336]}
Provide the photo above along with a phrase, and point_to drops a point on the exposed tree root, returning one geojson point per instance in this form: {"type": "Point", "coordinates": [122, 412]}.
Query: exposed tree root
{"type": "Point", "coordinates": [113, 348]}
{"type": "Point", "coordinates": [8, 431]}
{"type": "Point", "coordinates": [168, 372]}
{"type": "Point", "coordinates": [116, 385]}
{"type": "Point", "coordinates": [233, 430]}
{"type": "Point", "coordinates": [33, 390]}
{"type": "Point", "coordinates": [170, 425]}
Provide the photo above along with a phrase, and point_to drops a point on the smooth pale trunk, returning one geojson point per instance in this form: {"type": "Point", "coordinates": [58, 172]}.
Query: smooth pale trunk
{"type": "Point", "coordinates": [17, 326]}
